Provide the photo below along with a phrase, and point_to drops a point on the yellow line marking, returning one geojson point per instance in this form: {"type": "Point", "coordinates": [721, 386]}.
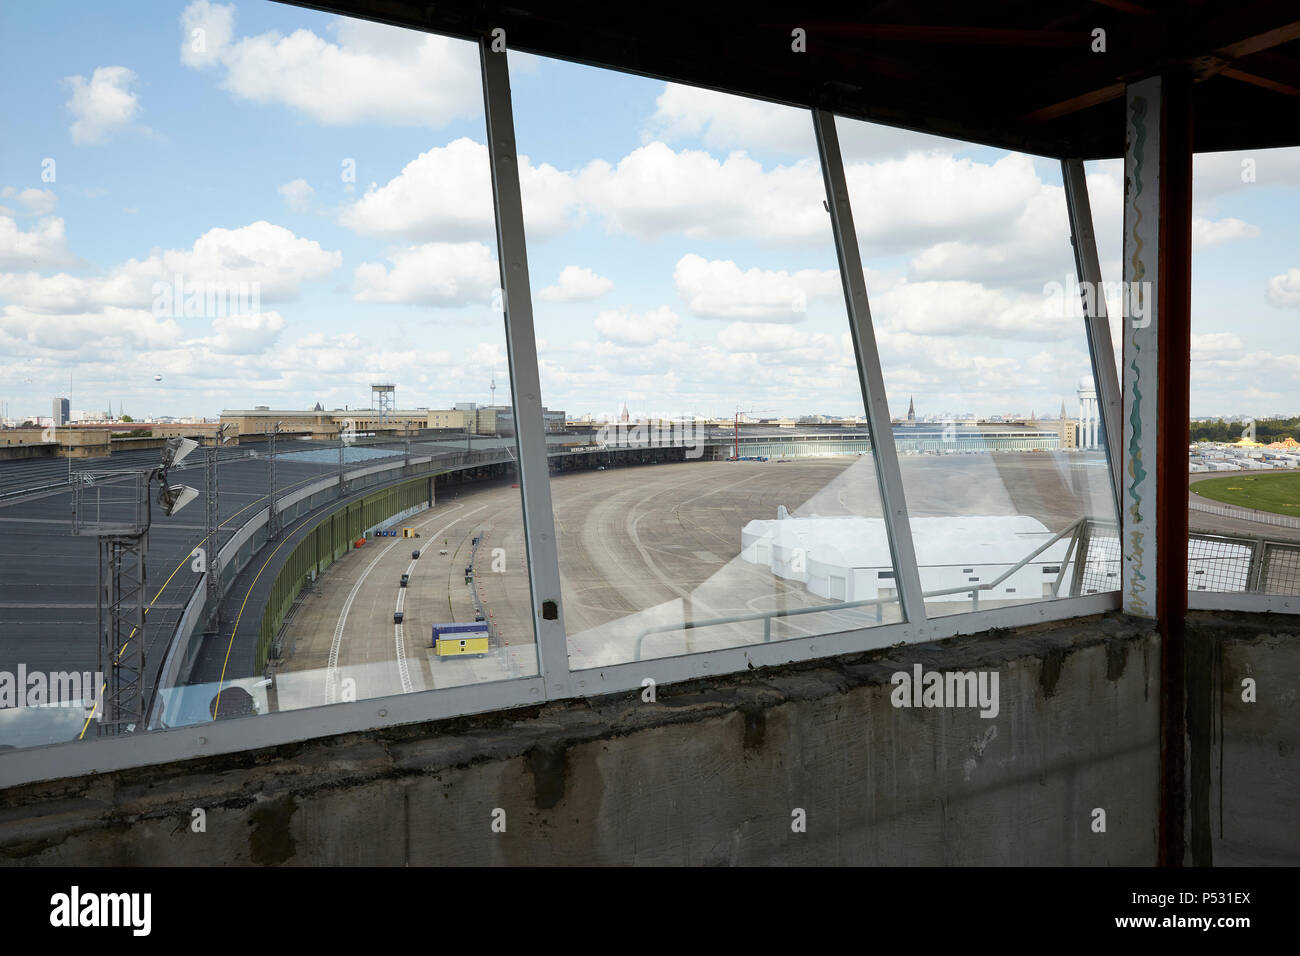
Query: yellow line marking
{"type": "Point", "coordinates": [188, 555]}
{"type": "Point", "coordinates": [239, 617]}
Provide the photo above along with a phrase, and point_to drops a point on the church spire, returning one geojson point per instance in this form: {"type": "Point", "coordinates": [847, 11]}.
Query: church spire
{"type": "Point", "coordinates": [911, 409]}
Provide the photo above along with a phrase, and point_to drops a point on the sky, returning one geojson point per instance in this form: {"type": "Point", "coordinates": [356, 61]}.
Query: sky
{"type": "Point", "coordinates": [680, 259]}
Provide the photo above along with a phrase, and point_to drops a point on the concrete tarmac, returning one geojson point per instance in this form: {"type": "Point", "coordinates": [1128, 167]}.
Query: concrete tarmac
{"type": "Point", "coordinates": [645, 547]}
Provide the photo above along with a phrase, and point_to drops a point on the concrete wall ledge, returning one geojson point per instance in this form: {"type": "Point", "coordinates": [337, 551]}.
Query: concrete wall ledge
{"type": "Point", "coordinates": [716, 771]}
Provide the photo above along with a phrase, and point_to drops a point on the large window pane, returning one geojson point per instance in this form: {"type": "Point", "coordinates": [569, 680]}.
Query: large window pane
{"type": "Point", "coordinates": [689, 311]}
{"type": "Point", "coordinates": [1244, 489]}
{"type": "Point", "coordinates": [985, 359]}
{"type": "Point", "coordinates": [1244, 463]}
{"type": "Point", "coordinates": [251, 215]}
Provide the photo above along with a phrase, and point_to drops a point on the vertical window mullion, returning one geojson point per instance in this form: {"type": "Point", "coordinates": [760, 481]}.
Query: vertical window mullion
{"type": "Point", "coordinates": [885, 454]}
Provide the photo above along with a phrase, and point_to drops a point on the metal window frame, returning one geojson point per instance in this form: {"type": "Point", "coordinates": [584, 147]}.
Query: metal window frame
{"type": "Point", "coordinates": [256, 732]}
{"type": "Point", "coordinates": [555, 679]}
{"type": "Point", "coordinates": [1105, 375]}
{"type": "Point", "coordinates": [525, 381]}
{"type": "Point", "coordinates": [889, 479]}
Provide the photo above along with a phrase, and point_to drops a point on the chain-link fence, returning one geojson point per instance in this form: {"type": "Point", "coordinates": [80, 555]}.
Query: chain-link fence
{"type": "Point", "coordinates": [1099, 569]}
{"type": "Point", "coordinates": [1215, 562]}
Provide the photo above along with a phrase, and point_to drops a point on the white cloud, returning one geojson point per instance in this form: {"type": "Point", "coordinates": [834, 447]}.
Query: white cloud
{"type": "Point", "coordinates": [1211, 232]}
{"type": "Point", "coordinates": [910, 203]}
{"type": "Point", "coordinates": [655, 191]}
{"type": "Point", "coordinates": [436, 273]}
{"type": "Point", "coordinates": [726, 121]}
{"type": "Point", "coordinates": [765, 337]}
{"type": "Point", "coordinates": [923, 199]}
{"type": "Point", "coordinates": [44, 246]}
{"type": "Point", "coordinates": [1219, 173]}
{"type": "Point", "coordinates": [719, 289]}
{"type": "Point", "coordinates": [297, 194]}
{"type": "Point", "coordinates": [1215, 344]}
{"type": "Point", "coordinates": [1284, 290]}
{"type": "Point", "coordinates": [111, 327]}
{"type": "Point", "coordinates": [268, 255]}
{"type": "Point", "coordinates": [206, 29]}
{"type": "Point", "coordinates": [372, 74]}
{"type": "Point", "coordinates": [446, 194]}
{"type": "Point", "coordinates": [637, 328]}
{"type": "Point", "coordinates": [103, 105]}
{"type": "Point", "coordinates": [970, 309]}
{"type": "Point", "coordinates": [245, 334]}
{"type": "Point", "coordinates": [1031, 247]}
{"type": "Point", "coordinates": [39, 202]}
{"type": "Point", "coordinates": [576, 284]}
{"type": "Point", "coordinates": [489, 355]}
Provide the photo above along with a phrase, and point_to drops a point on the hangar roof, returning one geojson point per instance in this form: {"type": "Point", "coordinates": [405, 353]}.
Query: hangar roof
{"type": "Point", "coordinates": [1017, 74]}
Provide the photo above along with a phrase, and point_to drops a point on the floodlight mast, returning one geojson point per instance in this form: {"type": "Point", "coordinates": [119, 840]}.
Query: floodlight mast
{"type": "Point", "coordinates": [212, 570]}
{"type": "Point", "coordinates": [272, 516]}
{"type": "Point", "coordinates": [120, 595]}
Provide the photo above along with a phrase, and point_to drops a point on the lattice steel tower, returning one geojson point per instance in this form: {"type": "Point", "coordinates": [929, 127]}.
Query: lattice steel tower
{"type": "Point", "coordinates": [123, 539]}
{"type": "Point", "coordinates": [383, 399]}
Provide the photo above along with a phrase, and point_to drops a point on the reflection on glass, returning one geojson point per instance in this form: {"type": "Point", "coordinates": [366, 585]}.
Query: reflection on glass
{"type": "Point", "coordinates": [713, 481]}
{"type": "Point", "coordinates": [986, 364]}
{"type": "Point", "coordinates": [330, 296]}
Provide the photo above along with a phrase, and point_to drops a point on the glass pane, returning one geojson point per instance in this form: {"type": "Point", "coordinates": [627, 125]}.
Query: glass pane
{"type": "Point", "coordinates": [265, 218]}
{"type": "Point", "coordinates": [714, 483]}
{"type": "Point", "coordinates": [985, 359]}
{"type": "Point", "coordinates": [1244, 486]}
{"type": "Point", "coordinates": [1244, 490]}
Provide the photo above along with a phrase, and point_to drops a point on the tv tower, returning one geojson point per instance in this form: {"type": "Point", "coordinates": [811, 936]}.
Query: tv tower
{"type": "Point", "coordinates": [493, 387]}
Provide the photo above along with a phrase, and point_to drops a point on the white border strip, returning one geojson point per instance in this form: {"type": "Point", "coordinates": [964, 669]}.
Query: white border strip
{"type": "Point", "coordinates": [1243, 601]}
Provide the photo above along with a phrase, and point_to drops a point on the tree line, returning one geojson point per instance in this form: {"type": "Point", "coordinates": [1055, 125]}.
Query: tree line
{"type": "Point", "coordinates": [1266, 430]}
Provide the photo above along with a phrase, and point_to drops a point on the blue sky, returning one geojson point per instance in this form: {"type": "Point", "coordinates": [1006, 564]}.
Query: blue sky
{"type": "Point", "coordinates": [679, 258]}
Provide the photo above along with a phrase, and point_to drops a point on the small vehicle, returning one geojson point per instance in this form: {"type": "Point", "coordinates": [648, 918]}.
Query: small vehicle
{"type": "Point", "coordinates": [397, 617]}
{"type": "Point", "coordinates": [442, 551]}
{"type": "Point", "coordinates": [415, 555]}
{"type": "Point", "coordinates": [406, 579]}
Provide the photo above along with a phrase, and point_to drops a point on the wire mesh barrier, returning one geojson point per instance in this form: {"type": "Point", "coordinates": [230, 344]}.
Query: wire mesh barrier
{"type": "Point", "coordinates": [1219, 562]}
{"type": "Point", "coordinates": [1279, 571]}
{"type": "Point", "coordinates": [1215, 562]}
{"type": "Point", "coordinates": [1230, 563]}
{"type": "Point", "coordinates": [1100, 568]}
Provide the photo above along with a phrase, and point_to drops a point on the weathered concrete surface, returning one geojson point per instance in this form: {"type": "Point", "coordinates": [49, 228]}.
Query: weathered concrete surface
{"type": "Point", "coordinates": [1244, 757]}
{"type": "Point", "coordinates": [712, 773]}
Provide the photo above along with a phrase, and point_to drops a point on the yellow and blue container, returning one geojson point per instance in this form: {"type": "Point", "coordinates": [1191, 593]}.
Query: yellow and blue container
{"type": "Point", "coordinates": [460, 640]}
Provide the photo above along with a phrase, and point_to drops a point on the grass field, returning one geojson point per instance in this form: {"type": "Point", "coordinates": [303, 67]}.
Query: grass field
{"type": "Point", "coordinates": [1277, 493]}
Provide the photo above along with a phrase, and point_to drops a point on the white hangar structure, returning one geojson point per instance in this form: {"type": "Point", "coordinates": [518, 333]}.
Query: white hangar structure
{"type": "Point", "coordinates": [847, 558]}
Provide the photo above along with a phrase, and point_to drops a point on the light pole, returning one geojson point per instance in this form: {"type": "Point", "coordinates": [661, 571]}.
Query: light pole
{"type": "Point", "coordinates": [273, 516]}
{"type": "Point", "coordinates": [213, 572]}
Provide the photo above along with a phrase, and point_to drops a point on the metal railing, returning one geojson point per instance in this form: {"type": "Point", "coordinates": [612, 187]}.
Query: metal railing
{"type": "Point", "coordinates": [1081, 533]}
{"type": "Point", "coordinates": [1235, 564]}
{"type": "Point", "coordinates": [1215, 562]}
{"type": "Point", "coordinates": [1245, 514]}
